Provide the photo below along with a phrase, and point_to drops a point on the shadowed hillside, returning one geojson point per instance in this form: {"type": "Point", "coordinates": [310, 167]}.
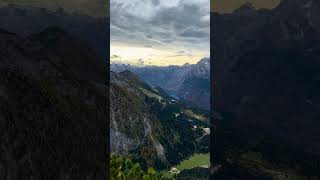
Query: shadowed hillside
{"type": "Point", "coordinates": [266, 81]}
{"type": "Point", "coordinates": [53, 108]}
{"type": "Point", "coordinates": [27, 20]}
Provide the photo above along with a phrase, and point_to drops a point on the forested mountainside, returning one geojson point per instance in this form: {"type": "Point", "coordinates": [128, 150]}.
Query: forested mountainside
{"type": "Point", "coordinates": [53, 108]}
{"type": "Point", "coordinates": [190, 82]}
{"type": "Point", "coordinates": [152, 127]}
{"type": "Point", "coordinates": [266, 84]}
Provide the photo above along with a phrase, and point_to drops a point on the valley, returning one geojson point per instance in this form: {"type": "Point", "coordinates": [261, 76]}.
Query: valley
{"type": "Point", "coordinates": [169, 132]}
{"type": "Point", "coordinates": [189, 82]}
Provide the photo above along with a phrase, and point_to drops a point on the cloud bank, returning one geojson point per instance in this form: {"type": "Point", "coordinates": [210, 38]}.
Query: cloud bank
{"type": "Point", "coordinates": [161, 24]}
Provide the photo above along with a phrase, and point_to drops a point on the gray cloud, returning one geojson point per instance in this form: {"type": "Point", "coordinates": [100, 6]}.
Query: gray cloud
{"type": "Point", "coordinates": [115, 56]}
{"type": "Point", "coordinates": [184, 53]}
{"type": "Point", "coordinates": [194, 33]}
{"type": "Point", "coordinates": [161, 23]}
{"type": "Point", "coordinates": [156, 2]}
{"type": "Point", "coordinates": [141, 62]}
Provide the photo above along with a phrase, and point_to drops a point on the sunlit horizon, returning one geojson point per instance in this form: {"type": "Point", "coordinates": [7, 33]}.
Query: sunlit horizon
{"type": "Point", "coordinates": [148, 56]}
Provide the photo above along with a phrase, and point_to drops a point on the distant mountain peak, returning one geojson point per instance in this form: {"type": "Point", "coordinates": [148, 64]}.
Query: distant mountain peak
{"type": "Point", "coordinates": [245, 8]}
{"type": "Point", "coordinates": [204, 60]}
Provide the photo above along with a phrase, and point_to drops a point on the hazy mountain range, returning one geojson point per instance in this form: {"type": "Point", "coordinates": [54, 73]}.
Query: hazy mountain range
{"type": "Point", "coordinates": [190, 82]}
{"type": "Point", "coordinates": [266, 81]}
{"type": "Point", "coordinates": [26, 20]}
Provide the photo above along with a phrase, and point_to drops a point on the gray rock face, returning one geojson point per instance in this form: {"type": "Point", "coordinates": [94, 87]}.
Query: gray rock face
{"type": "Point", "coordinates": [132, 125]}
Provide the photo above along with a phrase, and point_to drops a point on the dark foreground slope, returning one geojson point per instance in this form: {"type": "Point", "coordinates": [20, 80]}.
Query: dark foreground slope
{"type": "Point", "coordinates": [53, 111]}
{"type": "Point", "coordinates": [266, 76]}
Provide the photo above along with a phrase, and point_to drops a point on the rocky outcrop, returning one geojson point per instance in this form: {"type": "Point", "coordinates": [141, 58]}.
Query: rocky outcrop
{"type": "Point", "coordinates": [133, 126]}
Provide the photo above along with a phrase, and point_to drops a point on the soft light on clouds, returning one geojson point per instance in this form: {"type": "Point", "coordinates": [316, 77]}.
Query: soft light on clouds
{"type": "Point", "coordinates": [155, 30]}
{"type": "Point", "coordinates": [141, 56]}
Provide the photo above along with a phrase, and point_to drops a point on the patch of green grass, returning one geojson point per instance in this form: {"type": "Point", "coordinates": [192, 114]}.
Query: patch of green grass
{"type": "Point", "coordinates": [151, 94]}
{"type": "Point", "coordinates": [194, 115]}
{"type": "Point", "coordinates": [197, 160]}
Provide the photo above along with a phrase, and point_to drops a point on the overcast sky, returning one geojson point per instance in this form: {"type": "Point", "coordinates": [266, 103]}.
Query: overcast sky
{"type": "Point", "coordinates": [159, 32]}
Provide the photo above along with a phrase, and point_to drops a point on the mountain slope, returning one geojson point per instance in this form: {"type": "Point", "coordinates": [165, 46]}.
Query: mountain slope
{"type": "Point", "coordinates": [27, 20]}
{"type": "Point", "coordinates": [86, 63]}
{"type": "Point", "coordinates": [152, 127]}
{"type": "Point", "coordinates": [265, 81]}
{"type": "Point", "coordinates": [189, 82]}
{"type": "Point", "coordinates": [52, 121]}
